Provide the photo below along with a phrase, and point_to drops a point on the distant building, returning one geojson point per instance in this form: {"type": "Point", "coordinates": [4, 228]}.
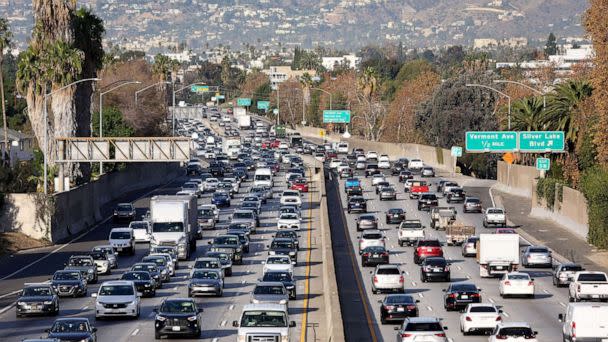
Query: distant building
{"type": "Point", "coordinates": [561, 62]}
{"type": "Point", "coordinates": [22, 146]}
{"type": "Point", "coordinates": [351, 60]}
{"type": "Point", "coordinates": [182, 57]}
{"type": "Point", "coordinates": [280, 74]}
{"type": "Point", "coordinates": [484, 43]}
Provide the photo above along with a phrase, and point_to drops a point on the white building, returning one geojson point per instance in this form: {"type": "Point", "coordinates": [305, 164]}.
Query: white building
{"type": "Point", "coordinates": [182, 57]}
{"type": "Point", "coordinates": [561, 62]}
{"type": "Point", "coordinates": [280, 74]}
{"type": "Point", "coordinates": [351, 60]}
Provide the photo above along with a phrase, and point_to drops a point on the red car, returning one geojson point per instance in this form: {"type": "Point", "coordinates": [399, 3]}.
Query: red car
{"type": "Point", "coordinates": [300, 184]}
{"type": "Point", "coordinates": [427, 248]}
{"type": "Point", "coordinates": [275, 143]}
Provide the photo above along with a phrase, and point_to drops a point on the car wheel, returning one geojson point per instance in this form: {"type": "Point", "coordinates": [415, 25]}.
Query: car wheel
{"type": "Point", "coordinates": [374, 291]}
{"type": "Point", "coordinates": [157, 336]}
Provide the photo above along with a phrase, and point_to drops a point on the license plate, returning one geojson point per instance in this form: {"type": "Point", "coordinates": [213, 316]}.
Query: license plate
{"type": "Point", "coordinates": [429, 249]}
{"type": "Point", "coordinates": [375, 256]}
{"type": "Point", "coordinates": [176, 328]}
{"type": "Point", "coordinates": [595, 296]}
{"type": "Point", "coordinates": [119, 249]}
{"type": "Point", "coordinates": [464, 297]}
{"type": "Point", "coordinates": [396, 215]}
{"type": "Point", "coordinates": [499, 267]}
{"type": "Point", "coordinates": [400, 309]}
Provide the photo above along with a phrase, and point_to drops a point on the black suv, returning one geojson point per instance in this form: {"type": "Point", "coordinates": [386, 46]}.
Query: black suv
{"type": "Point", "coordinates": [356, 204]}
{"type": "Point", "coordinates": [427, 201]}
{"type": "Point", "coordinates": [178, 316]}
{"type": "Point", "coordinates": [434, 268]}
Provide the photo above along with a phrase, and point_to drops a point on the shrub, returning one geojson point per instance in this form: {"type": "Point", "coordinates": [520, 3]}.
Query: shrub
{"type": "Point", "coordinates": [594, 183]}
{"type": "Point", "coordinates": [545, 188]}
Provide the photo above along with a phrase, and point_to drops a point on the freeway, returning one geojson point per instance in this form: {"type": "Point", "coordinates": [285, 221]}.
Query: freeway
{"type": "Point", "coordinates": [541, 311]}
{"type": "Point", "coordinates": [218, 312]}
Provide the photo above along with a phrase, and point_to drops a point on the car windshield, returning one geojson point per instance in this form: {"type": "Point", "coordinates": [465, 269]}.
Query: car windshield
{"type": "Point", "coordinates": [226, 240]}
{"type": "Point", "coordinates": [464, 288]}
{"type": "Point", "coordinates": [136, 276]}
{"type": "Point", "coordinates": [282, 244]}
{"type": "Point", "coordinates": [472, 200]}
{"type": "Point", "coordinates": [435, 262]}
{"type": "Point", "coordinates": [277, 276]}
{"type": "Point", "coordinates": [206, 264]}
{"type": "Point", "coordinates": [494, 211]}
{"type": "Point", "coordinates": [107, 250]}
{"type": "Point", "coordinates": [221, 256]}
{"type": "Point", "coordinates": [167, 227]}
{"type": "Point", "coordinates": [65, 326]}
{"type": "Point", "coordinates": [429, 243]}
{"type": "Point", "coordinates": [483, 309]}
{"type": "Point", "coordinates": [171, 306]}
{"type": "Point", "coordinates": [264, 319]}
{"type": "Point", "coordinates": [124, 207]}
{"type": "Point", "coordinates": [515, 331]}
{"type": "Point", "coordinates": [388, 271]}
{"type": "Point", "coordinates": [262, 177]}
{"type": "Point", "coordinates": [269, 290]}
{"type": "Point", "coordinates": [374, 249]}
{"type": "Point", "coordinates": [409, 224]}
{"type": "Point", "coordinates": [147, 268]}
{"type": "Point", "coordinates": [597, 277]}
{"type": "Point", "coordinates": [395, 211]}
{"type": "Point", "coordinates": [538, 250]}
{"type": "Point", "coordinates": [286, 234]}
{"type": "Point", "coordinates": [66, 276]}
{"type": "Point", "coordinates": [372, 236]}
{"type": "Point", "coordinates": [204, 275]}
{"type": "Point", "coordinates": [139, 225]}
{"type": "Point", "coordinates": [278, 261]}
{"type": "Point", "coordinates": [519, 277]}
{"type": "Point", "coordinates": [189, 186]}
{"type": "Point", "coordinates": [80, 262]}
{"type": "Point", "coordinates": [37, 291]}
{"type": "Point", "coordinates": [120, 235]}
{"type": "Point", "coordinates": [431, 326]}
{"type": "Point", "coordinates": [367, 218]}
{"type": "Point", "coordinates": [399, 299]}
{"type": "Point", "coordinates": [574, 268]}
{"type": "Point", "coordinates": [116, 290]}
{"type": "Point", "coordinates": [242, 215]}
{"type": "Point", "coordinates": [289, 216]}
{"type": "Point", "coordinates": [160, 261]}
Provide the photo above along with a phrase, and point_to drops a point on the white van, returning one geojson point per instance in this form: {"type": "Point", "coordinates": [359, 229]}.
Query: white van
{"type": "Point", "coordinates": [263, 177]}
{"type": "Point", "coordinates": [585, 322]}
{"type": "Point", "coordinates": [264, 322]}
{"type": "Point", "coordinates": [122, 240]}
{"type": "Point", "coordinates": [342, 147]}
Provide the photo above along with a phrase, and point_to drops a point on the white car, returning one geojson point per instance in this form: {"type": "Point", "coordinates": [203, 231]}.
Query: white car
{"type": "Point", "coordinates": [117, 298]}
{"type": "Point", "coordinates": [320, 157]}
{"type": "Point", "coordinates": [342, 147]}
{"type": "Point", "coordinates": [415, 164]}
{"type": "Point", "coordinates": [384, 162]}
{"type": "Point", "coordinates": [283, 146]}
{"type": "Point", "coordinates": [494, 216]}
{"type": "Point", "coordinates": [171, 263]}
{"type": "Point", "coordinates": [478, 317]}
{"type": "Point", "coordinates": [291, 197]}
{"type": "Point", "coordinates": [513, 332]}
{"type": "Point", "coordinates": [122, 240]}
{"type": "Point", "coordinates": [516, 284]}
{"type": "Point", "coordinates": [428, 329]}
{"type": "Point", "coordinates": [371, 237]}
{"type": "Point", "coordinates": [278, 263]}
{"type": "Point", "coordinates": [343, 166]}
{"type": "Point", "coordinates": [111, 255]}
{"type": "Point", "coordinates": [216, 211]}
{"type": "Point", "coordinates": [211, 184]}
{"type": "Point", "coordinates": [288, 221]}
{"type": "Point", "coordinates": [334, 163]}
{"type": "Point", "coordinates": [141, 230]}
{"type": "Point", "coordinates": [371, 155]}
{"type": "Point", "coordinates": [377, 178]}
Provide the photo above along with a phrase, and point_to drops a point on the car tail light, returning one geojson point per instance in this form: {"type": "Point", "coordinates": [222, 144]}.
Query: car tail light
{"type": "Point", "coordinates": [468, 319]}
{"type": "Point", "coordinates": [573, 329]}
{"type": "Point", "coordinates": [501, 337]}
{"type": "Point", "coordinates": [530, 337]}
{"type": "Point", "coordinates": [389, 307]}
{"type": "Point", "coordinates": [366, 255]}
{"type": "Point", "coordinates": [440, 335]}
{"type": "Point", "coordinates": [385, 254]}
{"type": "Point", "coordinates": [452, 295]}
{"type": "Point", "coordinates": [499, 318]}
{"type": "Point", "coordinates": [530, 283]}
{"type": "Point", "coordinates": [446, 269]}
{"type": "Point", "coordinates": [401, 280]}
{"type": "Point", "coordinates": [411, 307]}
{"type": "Point", "coordinates": [375, 279]}
{"type": "Point", "coordinates": [476, 295]}
{"type": "Point", "coordinates": [405, 335]}
{"type": "Point", "coordinates": [507, 283]}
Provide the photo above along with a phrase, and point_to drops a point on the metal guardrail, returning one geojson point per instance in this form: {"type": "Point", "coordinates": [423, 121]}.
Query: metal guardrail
{"type": "Point", "coordinates": [122, 149]}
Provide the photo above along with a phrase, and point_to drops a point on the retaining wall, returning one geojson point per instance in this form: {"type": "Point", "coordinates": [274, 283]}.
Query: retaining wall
{"type": "Point", "coordinates": [516, 179]}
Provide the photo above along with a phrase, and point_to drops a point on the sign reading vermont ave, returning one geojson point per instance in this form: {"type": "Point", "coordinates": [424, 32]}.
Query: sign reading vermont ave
{"type": "Point", "coordinates": [491, 142]}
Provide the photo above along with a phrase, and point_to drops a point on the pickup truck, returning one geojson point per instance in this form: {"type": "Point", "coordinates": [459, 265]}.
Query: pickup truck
{"type": "Point", "coordinates": [409, 232]}
{"type": "Point", "coordinates": [441, 217]}
{"type": "Point", "coordinates": [494, 216]}
{"type": "Point", "coordinates": [587, 285]}
{"type": "Point", "coordinates": [417, 188]}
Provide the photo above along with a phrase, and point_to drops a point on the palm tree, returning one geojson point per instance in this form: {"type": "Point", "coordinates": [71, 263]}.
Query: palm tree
{"type": "Point", "coordinates": [528, 114]}
{"type": "Point", "coordinates": [161, 66]}
{"type": "Point", "coordinates": [562, 108]}
{"type": "Point", "coordinates": [368, 82]}
{"type": "Point", "coordinates": [5, 43]}
{"type": "Point", "coordinates": [309, 61]}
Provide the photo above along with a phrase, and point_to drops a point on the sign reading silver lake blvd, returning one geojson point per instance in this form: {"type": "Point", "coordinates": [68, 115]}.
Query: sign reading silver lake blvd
{"type": "Point", "coordinates": [491, 141]}
{"type": "Point", "coordinates": [541, 141]}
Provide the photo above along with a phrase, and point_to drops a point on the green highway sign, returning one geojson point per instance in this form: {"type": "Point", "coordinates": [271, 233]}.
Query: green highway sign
{"type": "Point", "coordinates": [336, 116]}
{"type": "Point", "coordinates": [456, 151]}
{"type": "Point", "coordinates": [543, 164]}
{"type": "Point", "coordinates": [199, 88]}
{"type": "Point", "coordinates": [541, 141]}
{"type": "Point", "coordinates": [263, 105]}
{"type": "Point", "coordinates": [491, 141]}
{"type": "Point", "coordinates": [220, 97]}
{"type": "Point", "coordinates": [243, 102]}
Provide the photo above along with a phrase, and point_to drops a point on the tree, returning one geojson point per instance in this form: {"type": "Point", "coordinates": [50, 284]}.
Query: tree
{"type": "Point", "coordinates": [551, 45]}
{"type": "Point", "coordinates": [528, 114]}
{"type": "Point", "coordinates": [5, 43]}
{"type": "Point", "coordinates": [597, 27]}
{"type": "Point", "coordinates": [162, 67]}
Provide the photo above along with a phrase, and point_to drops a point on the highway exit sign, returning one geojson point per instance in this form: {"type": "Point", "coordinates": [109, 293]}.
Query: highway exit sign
{"type": "Point", "coordinates": [541, 141]}
{"type": "Point", "coordinates": [243, 102]}
{"type": "Point", "coordinates": [263, 105]}
{"type": "Point", "coordinates": [336, 116]}
{"type": "Point", "coordinates": [491, 141]}
{"type": "Point", "coordinates": [456, 151]}
{"type": "Point", "coordinates": [543, 164]}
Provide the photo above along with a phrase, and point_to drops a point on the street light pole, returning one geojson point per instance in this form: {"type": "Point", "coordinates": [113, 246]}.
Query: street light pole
{"type": "Point", "coordinates": [148, 87]}
{"type": "Point", "coordinates": [46, 128]}
{"type": "Point", "coordinates": [499, 92]}
{"type": "Point", "coordinates": [541, 93]}
{"type": "Point", "coordinates": [101, 112]}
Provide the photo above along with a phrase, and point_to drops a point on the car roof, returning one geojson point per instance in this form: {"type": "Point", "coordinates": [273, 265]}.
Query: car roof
{"type": "Point", "coordinates": [116, 282]}
{"type": "Point", "coordinates": [83, 319]}
{"type": "Point", "coordinates": [513, 324]}
{"type": "Point", "coordinates": [371, 231]}
{"type": "Point", "coordinates": [121, 229]}
{"type": "Point", "coordinates": [269, 283]}
{"type": "Point", "coordinates": [387, 266]}
{"type": "Point", "coordinates": [265, 307]}
{"type": "Point", "coordinates": [423, 319]}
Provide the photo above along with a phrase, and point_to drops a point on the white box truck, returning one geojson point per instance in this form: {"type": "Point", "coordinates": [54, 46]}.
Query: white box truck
{"type": "Point", "coordinates": [244, 121]}
{"type": "Point", "coordinates": [232, 148]}
{"type": "Point", "coordinates": [238, 112]}
{"type": "Point", "coordinates": [585, 322]}
{"type": "Point", "coordinates": [174, 222]}
{"type": "Point", "coordinates": [497, 254]}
